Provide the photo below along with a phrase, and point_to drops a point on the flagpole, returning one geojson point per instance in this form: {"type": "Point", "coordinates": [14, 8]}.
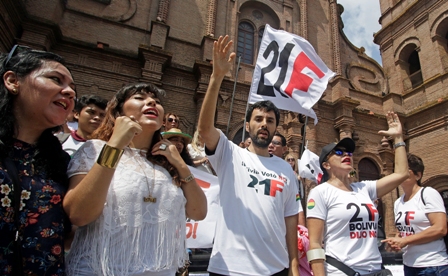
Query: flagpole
{"type": "Point", "coordinates": [304, 136]}
{"type": "Point", "coordinates": [233, 94]}
{"type": "Point", "coordinates": [245, 112]}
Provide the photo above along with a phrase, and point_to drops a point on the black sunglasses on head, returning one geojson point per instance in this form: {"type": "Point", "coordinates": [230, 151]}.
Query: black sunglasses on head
{"type": "Point", "coordinates": [16, 49]}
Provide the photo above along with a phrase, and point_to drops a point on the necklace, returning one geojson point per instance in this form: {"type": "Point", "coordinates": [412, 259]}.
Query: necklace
{"type": "Point", "coordinates": [148, 198]}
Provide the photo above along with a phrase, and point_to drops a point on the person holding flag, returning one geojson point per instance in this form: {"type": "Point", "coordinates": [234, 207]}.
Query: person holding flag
{"type": "Point", "coordinates": [341, 213]}
{"type": "Point", "coordinates": [256, 233]}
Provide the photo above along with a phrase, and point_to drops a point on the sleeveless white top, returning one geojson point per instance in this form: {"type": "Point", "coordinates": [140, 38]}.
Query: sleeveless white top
{"type": "Point", "coordinates": [131, 237]}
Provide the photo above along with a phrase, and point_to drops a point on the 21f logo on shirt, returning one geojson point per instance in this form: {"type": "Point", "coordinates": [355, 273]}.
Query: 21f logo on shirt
{"type": "Point", "coordinates": [271, 186]}
{"type": "Point", "coordinates": [360, 229]}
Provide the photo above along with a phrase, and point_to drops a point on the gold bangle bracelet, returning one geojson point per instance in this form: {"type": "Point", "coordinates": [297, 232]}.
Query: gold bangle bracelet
{"type": "Point", "coordinates": [109, 157]}
{"type": "Point", "coordinates": [187, 179]}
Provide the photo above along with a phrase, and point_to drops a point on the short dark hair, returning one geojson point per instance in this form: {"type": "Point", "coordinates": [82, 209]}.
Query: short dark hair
{"type": "Point", "coordinates": [265, 106]}
{"type": "Point", "coordinates": [281, 137]}
{"type": "Point", "coordinates": [416, 165]}
{"type": "Point", "coordinates": [85, 100]}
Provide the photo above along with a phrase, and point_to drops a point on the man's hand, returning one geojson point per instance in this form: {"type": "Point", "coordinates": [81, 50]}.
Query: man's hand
{"type": "Point", "coordinates": [222, 61]}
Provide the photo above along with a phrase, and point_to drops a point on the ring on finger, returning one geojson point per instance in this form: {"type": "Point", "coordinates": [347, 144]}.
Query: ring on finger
{"type": "Point", "coordinates": [162, 147]}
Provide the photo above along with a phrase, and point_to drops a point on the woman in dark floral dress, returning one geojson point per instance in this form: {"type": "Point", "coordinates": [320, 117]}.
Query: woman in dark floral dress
{"type": "Point", "coordinates": [36, 95]}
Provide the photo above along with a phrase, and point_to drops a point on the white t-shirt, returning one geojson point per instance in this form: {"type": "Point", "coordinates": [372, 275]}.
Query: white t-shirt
{"type": "Point", "coordinates": [411, 218]}
{"type": "Point", "coordinates": [256, 194]}
{"type": "Point", "coordinates": [72, 125]}
{"type": "Point", "coordinates": [351, 221]}
{"type": "Point", "coordinates": [71, 145]}
{"type": "Point", "coordinates": [130, 237]}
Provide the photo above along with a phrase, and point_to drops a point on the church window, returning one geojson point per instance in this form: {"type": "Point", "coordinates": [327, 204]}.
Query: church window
{"type": "Point", "coordinates": [245, 47]}
{"type": "Point", "coordinates": [415, 72]}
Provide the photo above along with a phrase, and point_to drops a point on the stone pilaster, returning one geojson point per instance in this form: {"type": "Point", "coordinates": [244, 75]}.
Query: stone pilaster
{"type": "Point", "coordinates": [344, 122]}
{"type": "Point", "coordinates": [211, 19]}
{"type": "Point", "coordinates": [162, 13]}
{"type": "Point", "coordinates": [155, 61]}
{"type": "Point", "coordinates": [334, 21]}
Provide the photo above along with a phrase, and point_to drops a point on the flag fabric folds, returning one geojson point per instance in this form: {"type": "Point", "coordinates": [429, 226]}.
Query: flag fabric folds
{"type": "Point", "coordinates": [309, 166]}
{"type": "Point", "coordinates": [289, 73]}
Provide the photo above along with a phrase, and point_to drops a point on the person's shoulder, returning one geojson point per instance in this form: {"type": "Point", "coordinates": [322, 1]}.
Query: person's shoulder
{"type": "Point", "coordinates": [429, 192]}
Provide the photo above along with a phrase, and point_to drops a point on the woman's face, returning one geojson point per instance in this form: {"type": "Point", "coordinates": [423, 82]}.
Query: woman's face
{"type": "Point", "coordinates": [171, 122]}
{"type": "Point", "coordinates": [46, 96]}
{"type": "Point", "coordinates": [291, 161]}
{"type": "Point", "coordinates": [340, 159]}
{"type": "Point", "coordinates": [146, 109]}
{"type": "Point", "coordinates": [178, 142]}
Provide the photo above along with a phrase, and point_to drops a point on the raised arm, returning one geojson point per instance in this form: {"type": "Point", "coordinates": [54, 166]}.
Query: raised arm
{"type": "Point", "coordinates": [222, 62]}
{"type": "Point", "coordinates": [401, 172]}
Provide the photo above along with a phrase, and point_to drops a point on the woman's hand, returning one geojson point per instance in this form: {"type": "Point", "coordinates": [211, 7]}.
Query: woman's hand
{"type": "Point", "coordinates": [396, 243]}
{"type": "Point", "coordinates": [169, 150]}
{"type": "Point", "coordinates": [395, 130]}
{"type": "Point", "coordinates": [124, 131]}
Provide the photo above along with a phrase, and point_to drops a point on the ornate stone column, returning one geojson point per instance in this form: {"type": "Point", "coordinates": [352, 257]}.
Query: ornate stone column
{"type": "Point", "coordinates": [159, 28]}
{"type": "Point", "coordinates": [334, 16]}
{"type": "Point", "coordinates": [162, 13]}
{"type": "Point", "coordinates": [304, 19]}
{"type": "Point", "coordinates": [344, 122]}
{"type": "Point", "coordinates": [207, 41]}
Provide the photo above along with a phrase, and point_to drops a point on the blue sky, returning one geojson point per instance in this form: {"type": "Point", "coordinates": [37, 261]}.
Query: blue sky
{"type": "Point", "coordinates": [360, 19]}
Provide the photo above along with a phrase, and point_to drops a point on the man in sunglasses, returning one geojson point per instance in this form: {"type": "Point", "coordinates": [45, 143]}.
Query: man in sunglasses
{"type": "Point", "coordinates": [256, 232]}
{"type": "Point", "coordinates": [277, 146]}
{"type": "Point", "coordinates": [170, 121]}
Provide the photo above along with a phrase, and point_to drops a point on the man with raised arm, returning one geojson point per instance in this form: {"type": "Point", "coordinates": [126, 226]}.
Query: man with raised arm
{"type": "Point", "coordinates": [256, 234]}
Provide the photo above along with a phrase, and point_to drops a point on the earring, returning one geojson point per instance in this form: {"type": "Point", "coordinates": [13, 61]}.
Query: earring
{"type": "Point", "coordinates": [14, 91]}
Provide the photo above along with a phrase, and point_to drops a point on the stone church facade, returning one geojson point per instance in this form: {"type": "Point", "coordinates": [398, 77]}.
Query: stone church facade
{"type": "Point", "coordinates": [108, 43]}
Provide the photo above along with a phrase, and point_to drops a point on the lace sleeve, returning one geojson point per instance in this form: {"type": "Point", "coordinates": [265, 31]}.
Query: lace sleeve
{"type": "Point", "coordinates": [84, 158]}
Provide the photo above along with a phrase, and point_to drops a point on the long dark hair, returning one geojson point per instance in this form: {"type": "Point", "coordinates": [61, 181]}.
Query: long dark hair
{"type": "Point", "coordinates": [114, 109]}
{"type": "Point", "coordinates": [49, 156]}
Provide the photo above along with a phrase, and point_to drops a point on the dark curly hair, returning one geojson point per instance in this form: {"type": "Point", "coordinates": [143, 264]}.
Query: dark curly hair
{"type": "Point", "coordinates": [49, 156]}
{"type": "Point", "coordinates": [114, 109]}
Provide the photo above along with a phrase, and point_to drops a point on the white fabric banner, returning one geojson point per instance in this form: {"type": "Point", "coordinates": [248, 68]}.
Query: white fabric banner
{"type": "Point", "coordinates": [200, 234]}
{"type": "Point", "coordinates": [289, 73]}
{"type": "Point", "coordinates": [309, 167]}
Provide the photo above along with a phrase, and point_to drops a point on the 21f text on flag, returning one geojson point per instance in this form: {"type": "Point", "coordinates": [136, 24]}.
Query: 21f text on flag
{"type": "Point", "coordinates": [289, 73]}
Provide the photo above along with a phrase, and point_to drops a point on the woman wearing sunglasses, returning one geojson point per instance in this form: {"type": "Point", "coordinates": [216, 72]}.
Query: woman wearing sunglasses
{"type": "Point", "coordinates": [170, 121]}
{"type": "Point", "coordinates": [36, 95]}
{"type": "Point", "coordinates": [341, 213]}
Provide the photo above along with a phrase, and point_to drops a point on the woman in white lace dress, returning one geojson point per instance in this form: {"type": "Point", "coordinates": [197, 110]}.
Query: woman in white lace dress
{"type": "Point", "coordinates": [130, 193]}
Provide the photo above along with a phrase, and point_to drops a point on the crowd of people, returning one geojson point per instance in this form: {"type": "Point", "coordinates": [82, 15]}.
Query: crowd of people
{"type": "Point", "coordinates": [97, 187]}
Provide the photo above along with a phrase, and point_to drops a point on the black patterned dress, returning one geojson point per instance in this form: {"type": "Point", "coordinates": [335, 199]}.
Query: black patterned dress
{"type": "Point", "coordinates": [41, 217]}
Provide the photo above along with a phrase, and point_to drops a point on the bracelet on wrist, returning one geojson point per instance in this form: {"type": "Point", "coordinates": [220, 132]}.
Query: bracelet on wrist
{"type": "Point", "coordinates": [187, 179]}
{"type": "Point", "coordinates": [399, 144]}
{"type": "Point", "coordinates": [109, 157]}
{"type": "Point", "coordinates": [315, 254]}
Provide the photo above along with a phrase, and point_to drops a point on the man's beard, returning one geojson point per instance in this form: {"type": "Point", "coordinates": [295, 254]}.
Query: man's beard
{"type": "Point", "coordinates": [261, 142]}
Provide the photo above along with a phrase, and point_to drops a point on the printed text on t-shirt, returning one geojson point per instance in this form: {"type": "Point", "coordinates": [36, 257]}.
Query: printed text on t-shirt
{"type": "Point", "coordinates": [360, 229]}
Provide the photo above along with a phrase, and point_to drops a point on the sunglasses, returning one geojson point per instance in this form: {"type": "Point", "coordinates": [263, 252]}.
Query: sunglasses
{"type": "Point", "coordinates": [172, 120]}
{"type": "Point", "coordinates": [290, 159]}
{"type": "Point", "coordinates": [277, 143]}
{"type": "Point", "coordinates": [16, 49]}
{"type": "Point", "coordinates": [340, 152]}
